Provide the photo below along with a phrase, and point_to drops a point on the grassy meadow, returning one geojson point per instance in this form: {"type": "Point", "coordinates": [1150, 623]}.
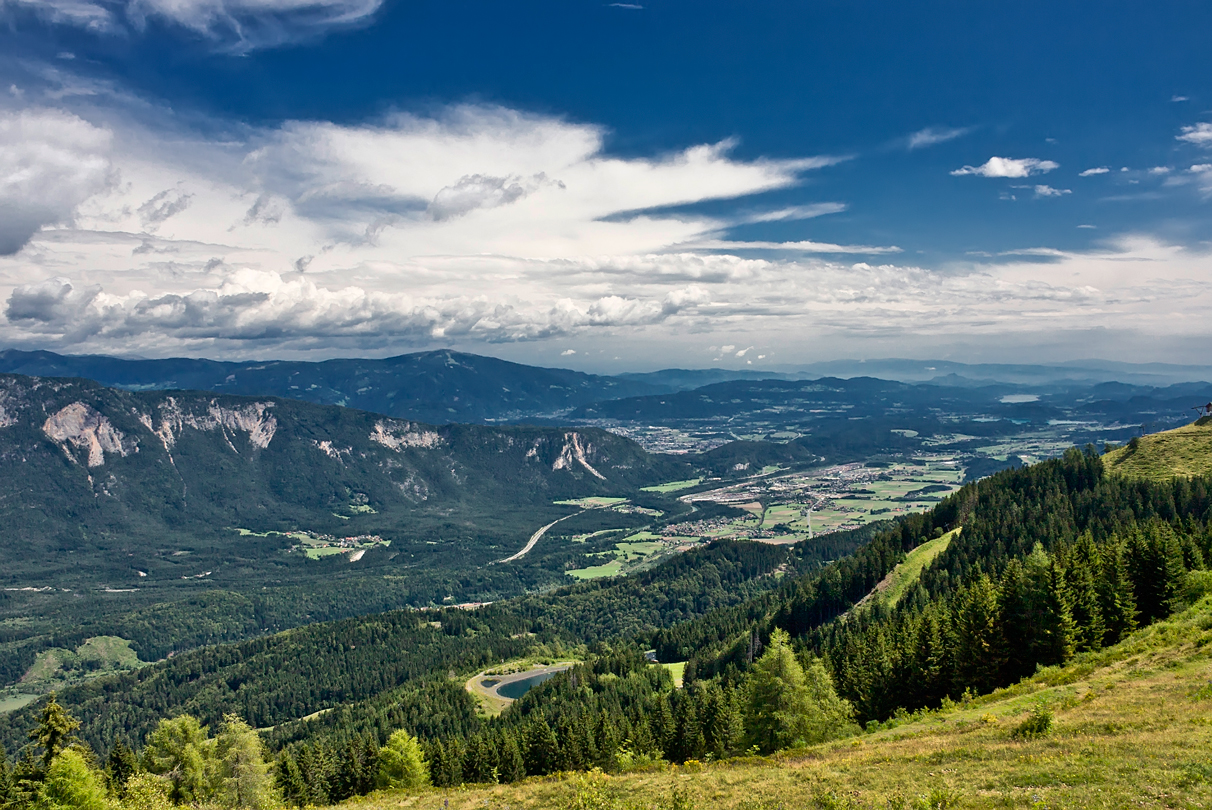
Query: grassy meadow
{"type": "Point", "coordinates": [1184, 451]}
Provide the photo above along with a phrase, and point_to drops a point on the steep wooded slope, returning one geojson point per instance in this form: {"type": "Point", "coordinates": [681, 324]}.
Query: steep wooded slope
{"type": "Point", "coordinates": [98, 482]}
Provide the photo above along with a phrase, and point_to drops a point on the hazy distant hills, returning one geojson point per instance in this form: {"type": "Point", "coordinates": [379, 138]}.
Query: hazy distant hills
{"type": "Point", "coordinates": [95, 479]}
{"type": "Point", "coordinates": [440, 387]}
{"type": "Point", "coordinates": [435, 387]}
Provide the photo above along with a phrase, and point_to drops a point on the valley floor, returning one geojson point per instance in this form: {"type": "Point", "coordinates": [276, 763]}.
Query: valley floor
{"type": "Point", "coordinates": [1132, 728]}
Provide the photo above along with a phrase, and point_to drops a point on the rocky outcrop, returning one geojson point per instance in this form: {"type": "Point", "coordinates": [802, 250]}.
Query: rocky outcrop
{"type": "Point", "coordinates": [574, 452]}
{"type": "Point", "coordinates": [255, 419]}
{"type": "Point", "coordinates": [398, 435]}
{"type": "Point", "coordinates": [80, 426]}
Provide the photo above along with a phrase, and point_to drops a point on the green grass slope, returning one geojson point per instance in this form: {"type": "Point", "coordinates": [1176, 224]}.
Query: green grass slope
{"type": "Point", "coordinates": [1185, 451]}
{"type": "Point", "coordinates": [1131, 726]}
{"type": "Point", "coordinates": [901, 579]}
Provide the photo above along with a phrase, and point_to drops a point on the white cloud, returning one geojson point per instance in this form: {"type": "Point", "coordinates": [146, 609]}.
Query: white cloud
{"type": "Point", "coordinates": [1179, 98]}
{"type": "Point", "coordinates": [794, 213]}
{"type": "Point", "coordinates": [1008, 167]}
{"type": "Point", "coordinates": [1094, 171]}
{"type": "Point", "coordinates": [568, 352]}
{"type": "Point", "coordinates": [1158, 170]}
{"type": "Point", "coordinates": [1049, 191]}
{"type": "Point", "coordinates": [50, 162]}
{"type": "Point", "coordinates": [312, 239]}
{"type": "Point", "coordinates": [1200, 134]}
{"type": "Point", "coordinates": [934, 135]}
{"type": "Point", "coordinates": [1202, 173]}
{"type": "Point", "coordinates": [90, 15]}
{"type": "Point", "coordinates": [802, 247]}
{"type": "Point", "coordinates": [238, 24]}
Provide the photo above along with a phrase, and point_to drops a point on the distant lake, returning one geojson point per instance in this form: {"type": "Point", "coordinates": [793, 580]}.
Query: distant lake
{"type": "Point", "coordinates": [515, 689]}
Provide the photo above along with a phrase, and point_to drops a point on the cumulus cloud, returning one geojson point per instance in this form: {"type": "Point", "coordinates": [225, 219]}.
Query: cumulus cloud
{"type": "Point", "coordinates": [238, 24]}
{"type": "Point", "coordinates": [50, 162]}
{"type": "Point", "coordinates": [1094, 171]}
{"type": "Point", "coordinates": [935, 135]}
{"type": "Point", "coordinates": [250, 305]}
{"type": "Point", "coordinates": [1008, 167]}
{"type": "Point", "coordinates": [1200, 134]}
{"type": "Point", "coordinates": [1049, 191]}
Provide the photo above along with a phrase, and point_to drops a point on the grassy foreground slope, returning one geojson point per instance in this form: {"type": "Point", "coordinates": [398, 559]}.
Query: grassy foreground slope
{"type": "Point", "coordinates": [1184, 451]}
{"type": "Point", "coordinates": [1131, 727]}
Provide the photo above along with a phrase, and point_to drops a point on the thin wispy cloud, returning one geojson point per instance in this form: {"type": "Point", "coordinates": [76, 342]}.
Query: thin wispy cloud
{"type": "Point", "coordinates": [1049, 191]}
{"type": "Point", "coordinates": [800, 247]}
{"type": "Point", "coordinates": [635, 6]}
{"type": "Point", "coordinates": [793, 213]}
{"type": "Point", "coordinates": [935, 135]}
{"type": "Point", "coordinates": [237, 25]}
{"type": "Point", "coordinates": [1008, 167]}
{"type": "Point", "coordinates": [1094, 171]}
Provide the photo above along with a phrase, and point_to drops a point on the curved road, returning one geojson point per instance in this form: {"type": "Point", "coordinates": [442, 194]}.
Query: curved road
{"type": "Point", "coordinates": [534, 538]}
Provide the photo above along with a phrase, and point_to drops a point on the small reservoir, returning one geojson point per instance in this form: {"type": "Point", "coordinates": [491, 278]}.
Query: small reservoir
{"type": "Point", "coordinates": [515, 689]}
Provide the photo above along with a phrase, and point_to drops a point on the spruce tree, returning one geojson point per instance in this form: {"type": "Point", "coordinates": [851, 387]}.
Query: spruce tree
{"type": "Point", "coordinates": [979, 643]}
{"type": "Point", "coordinates": [512, 767]}
{"type": "Point", "coordinates": [1116, 600]}
{"type": "Point", "coordinates": [54, 729]}
{"type": "Point", "coordinates": [1083, 569]}
{"type": "Point", "coordinates": [539, 746]}
{"type": "Point", "coordinates": [120, 766]}
{"type": "Point", "coordinates": [290, 781]}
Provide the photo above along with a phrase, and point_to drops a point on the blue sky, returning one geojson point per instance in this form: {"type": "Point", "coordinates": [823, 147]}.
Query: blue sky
{"type": "Point", "coordinates": [607, 186]}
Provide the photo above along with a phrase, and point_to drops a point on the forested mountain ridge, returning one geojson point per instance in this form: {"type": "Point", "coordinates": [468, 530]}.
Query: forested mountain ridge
{"type": "Point", "coordinates": [436, 387]}
{"type": "Point", "coordinates": [126, 482]}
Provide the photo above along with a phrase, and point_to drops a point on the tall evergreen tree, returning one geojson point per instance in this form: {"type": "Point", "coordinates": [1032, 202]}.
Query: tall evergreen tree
{"type": "Point", "coordinates": [1115, 597]}
{"type": "Point", "coordinates": [120, 766]}
{"type": "Point", "coordinates": [512, 767]}
{"type": "Point", "coordinates": [54, 730]}
{"type": "Point", "coordinates": [540, 749]}
{"type": "Point", "coordinates": [402, 763]}
{"type": "Point", "coordinates": [245, 781]}
{"type": "Point", "coordinates": [979, 645]}
{"type": "Point", "coordinates": [778, 702]}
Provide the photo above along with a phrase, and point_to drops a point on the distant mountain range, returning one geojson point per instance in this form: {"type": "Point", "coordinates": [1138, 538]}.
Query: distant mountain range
{"type": "Point", "coordinates": [435, 387]}
{"type": "Point", "coordinates": [97, 482]}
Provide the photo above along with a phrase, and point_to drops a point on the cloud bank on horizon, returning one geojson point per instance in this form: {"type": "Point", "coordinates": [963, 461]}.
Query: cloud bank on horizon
{"type": "Point", "coordinates": [127, 227]}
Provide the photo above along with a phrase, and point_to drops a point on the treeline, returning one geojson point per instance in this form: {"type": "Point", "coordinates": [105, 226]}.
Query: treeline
{"type": "Point", "coordinates": [1038, 611]}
